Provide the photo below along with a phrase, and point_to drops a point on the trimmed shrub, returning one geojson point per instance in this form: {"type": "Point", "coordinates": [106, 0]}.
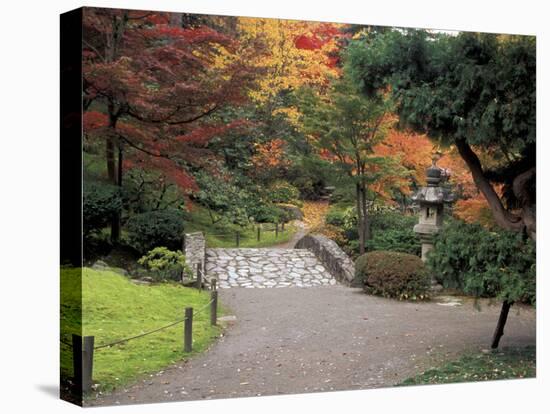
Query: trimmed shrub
{"type": "Point", "coordinates": [156, 228]}
{"type": "Point", "coordinates": [165, 264]}
{"type": "Point", "coordinates": [100, 203]}
{"type": "Point", "coordinates": [484, 263]}
{"type": "Point", "coordinates": [393, 275]}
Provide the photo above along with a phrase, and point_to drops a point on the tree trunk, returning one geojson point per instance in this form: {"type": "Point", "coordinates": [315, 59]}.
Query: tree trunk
{"type": "Point", "coordinates": [360, 220]}
{"type": "Point", "coordinates": [112, 171]}
{"type": "Point", "coordinates": [528, 212]}
{"type": "Point", "coordinates": [119, 172]}
{"type": "Point", "coordinates": [366, 221]}
{"type": "Point", "coordinates": [499, 331]}
{"type": "Point", "coordinates": [110, 155]}
{"type": "Point", "coordinates": [115, 222]}
{"type": "Point", "coordinates": [504, 218]}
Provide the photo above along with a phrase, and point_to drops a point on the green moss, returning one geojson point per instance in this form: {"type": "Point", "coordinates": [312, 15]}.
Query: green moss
{"type": "Point", "coordinates": [508, 363]}
{"type": "Point", "coordinates": [113, 308]}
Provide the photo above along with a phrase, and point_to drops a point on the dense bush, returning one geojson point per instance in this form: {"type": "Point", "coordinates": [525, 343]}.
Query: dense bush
{"type": "Point", "coordinates": [393, 275]}
{"type": "Point", "coordinates": [402, 240]}
{"type": "Point", "coordinates": [100, 203]}
{"type": "Point", "coordinates": [270, 213]}
{"type": "Point", "coordinates": [335, 216]}
{"type": "Point", "coordinates": [308, 175]}
{"type": "Point", "coordinates": [389, 219]}
{"type": "Point", "coordinates": [225, 199]}
{"type": "Point", "coordinates": [310, 188]}
{"type": "Point", "coordinates": [165, 264]}
{"type": "Point", "coordinates": [390, 229]}
{"type": "Point", "coordinates": [282, 192]}
{"type": "Point", "coordinates": [156, 228]}
{"type": "Point", "coordinates": [484, 263]}
{"type": "Point", "coordinates": [147, 191]}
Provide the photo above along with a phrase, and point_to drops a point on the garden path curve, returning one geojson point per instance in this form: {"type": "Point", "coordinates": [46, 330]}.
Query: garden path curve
{"type": "Point", "coordinates": [293, 340]}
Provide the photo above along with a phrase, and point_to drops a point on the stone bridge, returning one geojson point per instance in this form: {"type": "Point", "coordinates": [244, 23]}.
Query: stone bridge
{"type": "Point", "coordinates": [317, 261]}
{"type": "Point", "coordinates": [265, 268]}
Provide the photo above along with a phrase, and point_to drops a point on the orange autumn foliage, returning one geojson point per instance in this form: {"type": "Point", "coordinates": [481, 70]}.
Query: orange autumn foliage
{"type": "Point", "coordinates": [460, 175]}
{"type": "Point", "coordinates": [270, 154]}
{"type": "Point", "coordinates": [413, 151]}
{"type": "Point", "coordinates": [474, 210]}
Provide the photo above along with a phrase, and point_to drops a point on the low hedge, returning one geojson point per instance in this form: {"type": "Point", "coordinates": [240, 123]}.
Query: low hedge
{"type": "Point", "coordinates": [156, 228]}
{"type": "Point", "coordinates": [393, 275]}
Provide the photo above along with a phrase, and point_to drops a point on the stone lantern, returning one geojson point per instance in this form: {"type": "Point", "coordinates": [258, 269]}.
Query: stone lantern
{"type": "Point", "coordinates": [431, 200]}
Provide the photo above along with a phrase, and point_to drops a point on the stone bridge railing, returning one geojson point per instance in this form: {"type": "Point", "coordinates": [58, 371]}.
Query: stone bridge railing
{"type": "Point", "coordinates": [335, 260]}
{"type": "Point", "coordinates": [194, 248]}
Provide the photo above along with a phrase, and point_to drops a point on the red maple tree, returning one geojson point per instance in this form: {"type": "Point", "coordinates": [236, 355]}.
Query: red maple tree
{"type": "Point", "coordinates": [151, 93]}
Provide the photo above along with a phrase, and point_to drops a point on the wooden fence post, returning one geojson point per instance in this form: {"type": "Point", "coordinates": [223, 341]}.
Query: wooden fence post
{"type": "Point", "coordinates": [188, 330]}
{"type": "Point", "coordinates": [258, 237]}
{"type": "Point", "coordinates": [87, 363]}
{"type": "Point", "coordinates": [83, 362]}
{"type": "Point", "coordinates": [199, 276]}
{"type": "Point", "coordinates": [77, 361]}
{"type": "Point", "coordinates": [213, 307]}
{"type": "Point", "coordinates": [238, 236]}
{"type": "Point", "coordinates": [276, 230]}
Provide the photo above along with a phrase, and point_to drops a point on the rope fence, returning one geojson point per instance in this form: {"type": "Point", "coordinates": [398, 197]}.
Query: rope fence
{"type": "Point", "coordinates": [83, 347]}
{"type": "Point", "coordinates": [120, 341]}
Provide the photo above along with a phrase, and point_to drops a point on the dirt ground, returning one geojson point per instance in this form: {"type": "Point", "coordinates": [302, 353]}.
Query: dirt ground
{"type": "Point", "coordinates": [297, 340]}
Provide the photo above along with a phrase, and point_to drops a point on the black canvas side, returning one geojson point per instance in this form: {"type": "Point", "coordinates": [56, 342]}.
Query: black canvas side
{"type": "Point", "coordinates": [71, 193]}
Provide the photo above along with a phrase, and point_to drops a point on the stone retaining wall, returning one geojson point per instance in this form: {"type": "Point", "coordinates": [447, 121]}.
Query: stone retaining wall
{"type": "Point", "coordinates": [335, 260]}
{"type": "Point", "coordinates": [194, 248]}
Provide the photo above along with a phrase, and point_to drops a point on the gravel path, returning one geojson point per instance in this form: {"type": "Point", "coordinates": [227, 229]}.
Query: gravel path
{"type": "Point", "coordinates": [301, 231]}
{"type": "Point", "coordinates": [292, 340]}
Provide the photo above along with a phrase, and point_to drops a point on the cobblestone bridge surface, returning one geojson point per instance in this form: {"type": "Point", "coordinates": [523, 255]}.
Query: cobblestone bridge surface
{"type": "Point", "coordinates": [266, 268]}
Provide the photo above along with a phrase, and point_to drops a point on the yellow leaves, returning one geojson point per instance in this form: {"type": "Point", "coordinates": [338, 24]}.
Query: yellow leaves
{"type": "Point", "coordinates": [223, 58]}
{"type": "Point", "coordinates": [314, 213]}
{"type": "Point", "coordinates": [291, 113]}
{"type": "Point", "coordinates": [284, 65]}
